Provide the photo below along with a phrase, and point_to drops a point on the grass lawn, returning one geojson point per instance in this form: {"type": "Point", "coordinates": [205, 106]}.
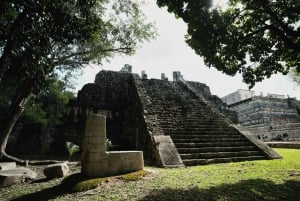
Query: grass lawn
{"type": "Point", "coordinates": [265, 180]}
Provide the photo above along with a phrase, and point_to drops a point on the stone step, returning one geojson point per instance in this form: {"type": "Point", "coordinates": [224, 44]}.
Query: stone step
{"type": "Point", "coordinates": [196, 129]}
{"type": "Point", "coordinates": [195, 137]}
{"type": "Point", "coordinates": [190, 162]}
{"type": "Point", "coordinates": [179, 134]}
{"type": "Point", "coordinates": [201, 135]}
{"type": "Point", "coordinates": [205, 115]}
{"type": "Point", "coordinates": [198, 112]}
{"type": "Point", "coordinates": [215, 149]}
{"type": "Point", "coordinates": [206, 127]}
{"type": "Point", "coordinates": [204, 120]}
{"type": "Point", "coordinates": [200, 139]}
{"type": "Point", "coordinates": [209, 155]}
{"type": "Point", "coordinates": [204, 123]}
{"type": "Point", "coordinates": [212, 144]}
{"type": "Point", "coordinates": [170, 122]}
{"type": "Point", "coordinates": [166, 116]}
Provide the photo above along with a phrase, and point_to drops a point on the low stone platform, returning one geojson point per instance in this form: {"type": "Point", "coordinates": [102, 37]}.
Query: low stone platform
{"type": "Point", "coordinates": [96, 161]}
{"type": "Point", "coordinates": [291, 145]}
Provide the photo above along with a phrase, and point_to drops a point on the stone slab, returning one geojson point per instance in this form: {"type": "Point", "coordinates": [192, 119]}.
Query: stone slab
{"type": "Point", "coordinates": [56, 170]}
{"type": "Point", "coordinates": [167, 152]}
{"type": "Point", "coordinates": [15, 176]}
{"type": "Point", "coordinates": [7, 165]}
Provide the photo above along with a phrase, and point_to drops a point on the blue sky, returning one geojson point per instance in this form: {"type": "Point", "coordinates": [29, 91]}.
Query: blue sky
{"type": "Point", "coordinates": [170, 53]}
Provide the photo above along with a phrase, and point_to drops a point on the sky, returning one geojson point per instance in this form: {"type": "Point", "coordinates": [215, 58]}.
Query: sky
{"type": "Point", "coordinates": [169, 52]}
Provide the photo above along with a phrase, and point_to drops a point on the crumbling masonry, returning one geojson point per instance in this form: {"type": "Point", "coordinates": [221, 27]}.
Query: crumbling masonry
{"type": "Point", "coordinates": [174, 123]}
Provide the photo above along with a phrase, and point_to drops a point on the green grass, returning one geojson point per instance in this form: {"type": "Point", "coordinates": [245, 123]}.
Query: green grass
{"type": "Point", "coordinates": [265, 180]}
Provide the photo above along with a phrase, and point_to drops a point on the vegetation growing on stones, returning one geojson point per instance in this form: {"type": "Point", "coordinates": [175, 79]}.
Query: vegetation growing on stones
{"type": "Point", "coordinates": [72, 149]}
{"type": "Point", "coordinates": [109, 144]}
{"type": "Point", "coordinates": [257, 38]}
{"type": "Point", "coordinates": [81, 183]}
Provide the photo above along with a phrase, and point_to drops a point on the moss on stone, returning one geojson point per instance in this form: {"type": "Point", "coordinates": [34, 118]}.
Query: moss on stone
{"type": "Point", "coordinates": [89, 184]}
{"type": "Point", "coordinates": [134, 176]}
{"type": "Point", "coordinates": [79, 182]}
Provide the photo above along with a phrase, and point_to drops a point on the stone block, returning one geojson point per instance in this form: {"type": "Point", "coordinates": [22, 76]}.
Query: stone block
{"type": "Point", "coordinates": [120, 162]}
{"type": "Point", "coordinates": [95, 134]}
{"type": "Point", "coordinates": [97, 168]}
{"type": "Point", "coordinates": [166, 151]}
{"type": "Point", "coordinates": [7, 165]}
{"type": "Point", "coordinates": [96, 161]}
{"type": "Point", "coordinates": [95, 125]}
{"type": "Point", "coordinates": [16, 176]}
{"type": "Point", "coordinates": [94, 157]}
{"type": "Point", "coordinates": [56, 170]}
{"type": "Point", "coordinates": [94, 148]}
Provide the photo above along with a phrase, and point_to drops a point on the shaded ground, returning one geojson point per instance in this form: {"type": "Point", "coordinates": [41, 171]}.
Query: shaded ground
{"type": "Point", "coordinates": [276, 180]}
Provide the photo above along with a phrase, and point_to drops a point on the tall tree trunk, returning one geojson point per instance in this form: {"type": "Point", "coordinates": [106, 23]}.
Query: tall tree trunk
{"type": "Point", "coordinates": [15, 111]}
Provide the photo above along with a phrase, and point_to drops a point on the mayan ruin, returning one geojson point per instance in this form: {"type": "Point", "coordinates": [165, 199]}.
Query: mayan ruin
{"type": "Point", "coordinates": [270, 118]}
{"type": "Point", "coordinates": [174, 122]}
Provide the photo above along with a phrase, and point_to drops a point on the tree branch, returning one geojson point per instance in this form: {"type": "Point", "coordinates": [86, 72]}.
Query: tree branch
{"type": "Point", "coordinates": [63, 60]}
{"type": "Point", "coordinates": [286, 40]}
{"type": "Point", "coordinates": [10, 37]}
{"type": "Point", "coordinates": [262, 29]}
{"type": "Point", "coordinates": [288, 31]}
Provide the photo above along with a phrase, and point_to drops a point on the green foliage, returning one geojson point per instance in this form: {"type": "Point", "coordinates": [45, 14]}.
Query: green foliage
{"type": "Point", "coordinates": [72, 149]}
{"type": "Point", "coordinates": [295, 76]}
{"type": "Point", "coordinates": [49, 106]}
{"type": "Point", "coordinates": [37, 38]}
{"type": "Point", "coordinates": [109, 144]}
{"type": "Point", "coordinates": [255, 38]}
{"type": "Point", "coordinates": [34, 112]}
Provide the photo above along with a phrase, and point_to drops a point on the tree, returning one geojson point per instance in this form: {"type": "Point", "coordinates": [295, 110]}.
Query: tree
{"type": "Point", "coordinates": [39, 37]}
{"type": "Point", "coordinates": [49, 106]}
{"type": "Point", "coordinates": [257, 38]}
{"type": "Point", "coordinates": [295, 77]}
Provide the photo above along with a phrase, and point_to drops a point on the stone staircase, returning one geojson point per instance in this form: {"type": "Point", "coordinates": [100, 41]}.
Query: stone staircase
{"type": "Point", "coordinates": [200, 134]}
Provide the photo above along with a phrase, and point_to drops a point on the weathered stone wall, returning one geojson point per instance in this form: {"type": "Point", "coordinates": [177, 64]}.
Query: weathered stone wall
{"type": "Point", "coordinates": [216, 103]}
{"type": "Point", "coordinates": [123, 99]}
{"type": "Point", "coordinates": [270, 119]}
{"type": "Point", "coordinates": [265, 111]}
{"type": "Point", "coordinates": [109, 96]}
{"type": "Point", "coordinates": [116, 96]}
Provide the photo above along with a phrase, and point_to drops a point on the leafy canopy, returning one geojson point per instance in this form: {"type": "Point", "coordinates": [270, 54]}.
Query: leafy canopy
{"type": "Point", "coordinates": [50, 105]}
{"type": "Point", "coordinates": [39, 36]}
{"type": "Point", "coordinates": [257, 38]}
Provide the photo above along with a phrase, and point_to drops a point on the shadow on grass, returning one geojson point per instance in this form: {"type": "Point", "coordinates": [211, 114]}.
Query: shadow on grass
{"type": "Point", "coordinates": [248, 190]}
{"type": "Point", "coordinates": [55, 191]}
